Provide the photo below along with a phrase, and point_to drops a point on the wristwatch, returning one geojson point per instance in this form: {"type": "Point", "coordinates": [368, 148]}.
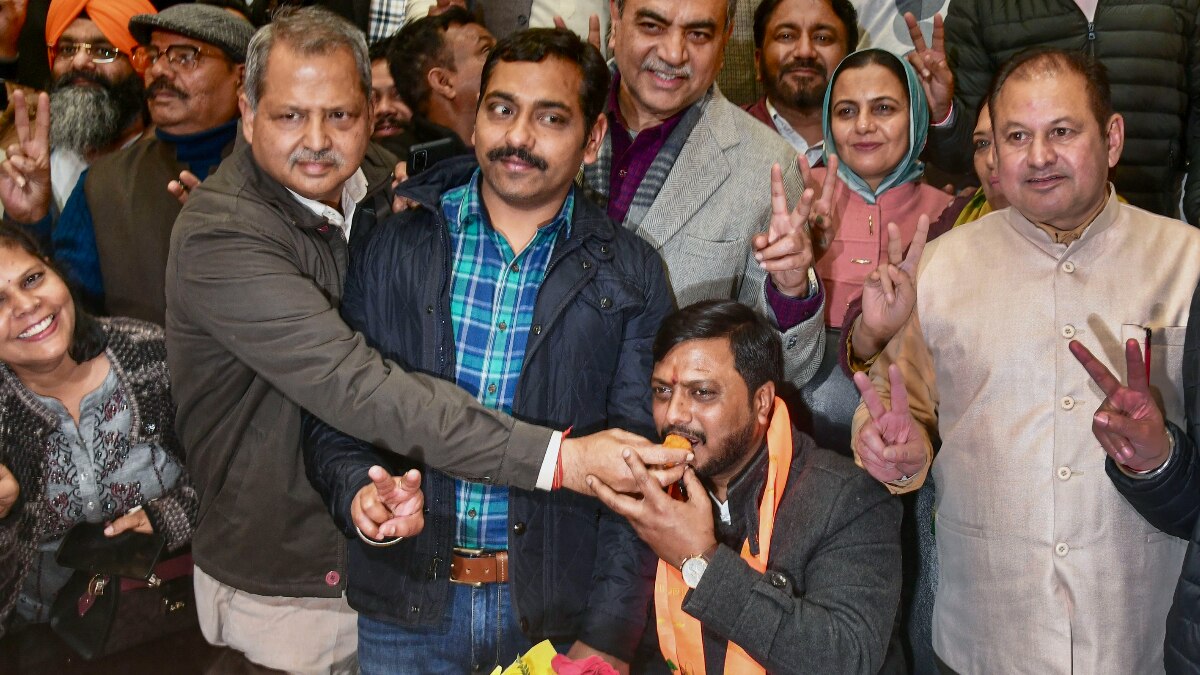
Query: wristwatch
{"type": "Point", "coordinates": [693, 566]}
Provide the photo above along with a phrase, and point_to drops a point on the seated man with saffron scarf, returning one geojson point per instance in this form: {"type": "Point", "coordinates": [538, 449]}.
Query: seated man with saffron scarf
{"type": "Point", "coordinates": [797, 568]}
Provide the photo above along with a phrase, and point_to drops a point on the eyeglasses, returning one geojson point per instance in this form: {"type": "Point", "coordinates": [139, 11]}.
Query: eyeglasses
{"type": "Point", "coordinates": [179, 57]}
{"type": "Point", "coordinates": [100, 54]}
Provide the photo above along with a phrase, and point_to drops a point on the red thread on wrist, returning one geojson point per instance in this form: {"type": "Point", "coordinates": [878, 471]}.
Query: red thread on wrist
{"type": "Point", "coordinates": [558, 466]}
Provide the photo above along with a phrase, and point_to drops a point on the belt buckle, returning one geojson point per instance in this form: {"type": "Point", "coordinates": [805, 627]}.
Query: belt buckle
{"type": "Point", "coordinates": [472, 553]}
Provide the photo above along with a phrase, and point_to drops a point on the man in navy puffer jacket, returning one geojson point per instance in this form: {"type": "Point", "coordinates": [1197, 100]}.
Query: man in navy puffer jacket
{"type": "Point", "coordinates": [510, 283]}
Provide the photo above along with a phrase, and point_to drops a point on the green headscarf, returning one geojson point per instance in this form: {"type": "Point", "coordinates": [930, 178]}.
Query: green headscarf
{"type": "Point", "coordinates": [910, 167]}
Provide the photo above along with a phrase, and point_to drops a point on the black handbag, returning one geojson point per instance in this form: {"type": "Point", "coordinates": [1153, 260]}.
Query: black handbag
{"type": "Point", "coordinates": [121, 595]}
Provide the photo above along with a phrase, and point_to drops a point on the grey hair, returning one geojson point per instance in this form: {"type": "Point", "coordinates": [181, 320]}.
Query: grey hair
{"type": "Point", "coordinates": [730, 11]}
{"type": "Point", "coordinates": [309, 31]}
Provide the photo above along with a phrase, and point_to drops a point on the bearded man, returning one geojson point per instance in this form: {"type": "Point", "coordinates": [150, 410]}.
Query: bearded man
{"type": "Point", "coordinates": [96, 103]}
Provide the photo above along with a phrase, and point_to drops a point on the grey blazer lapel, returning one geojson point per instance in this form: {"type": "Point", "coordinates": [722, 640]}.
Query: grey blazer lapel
{"type": "Point", "coordinates": [699, 171]}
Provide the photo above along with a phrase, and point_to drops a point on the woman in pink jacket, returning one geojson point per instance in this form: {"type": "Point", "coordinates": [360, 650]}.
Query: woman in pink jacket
{"type": "Point", "coordinates": [876, 121]}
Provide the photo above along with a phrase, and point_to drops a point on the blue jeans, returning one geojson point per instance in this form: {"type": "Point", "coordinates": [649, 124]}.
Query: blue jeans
{"type": "Point", "coordinates": [478, 632]}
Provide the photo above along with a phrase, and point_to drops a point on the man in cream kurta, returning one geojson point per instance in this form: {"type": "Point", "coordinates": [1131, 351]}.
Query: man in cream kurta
{"type": "Point", "coordinates": [1035, 545]}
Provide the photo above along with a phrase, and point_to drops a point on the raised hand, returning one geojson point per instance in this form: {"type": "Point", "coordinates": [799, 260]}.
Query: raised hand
{"type": "Point", "coordinates": [593, 36]}
{"type": "Point", "coordinates": [822, 219]}
{"type": "Point", "coordinates": [931, 65]}
{"type": "Point", "coordinates": [785, 249]}
{"type": "Point", "coordinates": [391, 506]}
{"type": "Point", "coordinates": [25, 173]}
{"type": "Point", "coordinates": [182, 188]}
{"type": "Point", "coordinates": [673, 529]}
{"type": "Point", "coordinates": [10, 490]}
{"type": "Point", "coordinates": [889, 292]}
{"type": "Point", "coordinates": [889, 445]}
{"type": "Point", "coordinates": [602, 455]}
{"type": "Point", "coordinates": [441, 6]}
{"type": "Point", "coordinates": [12, 19]}
{"type": "Point", "coordinates": [1128, 424]}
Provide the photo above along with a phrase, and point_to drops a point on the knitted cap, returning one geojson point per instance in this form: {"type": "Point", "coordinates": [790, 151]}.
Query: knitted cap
{"type": "Point", "coordinates": [219, 28]}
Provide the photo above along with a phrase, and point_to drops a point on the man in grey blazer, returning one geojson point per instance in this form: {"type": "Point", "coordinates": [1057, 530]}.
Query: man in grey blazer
{"type": "Point", "coordinates": [689, 172]}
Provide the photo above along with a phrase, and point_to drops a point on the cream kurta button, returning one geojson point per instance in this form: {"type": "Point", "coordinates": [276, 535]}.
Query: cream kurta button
{"type": "Point", "coordinates": [1068, 267]}
{"type": "Point", "coordinates": [1067, 403]}
{"type": "Point", "coordinates": [1063, 473]}
{"type": "Point", "coordinates": [1061, 549]}
{"type": "Point", "coordinates": [1068, 331]}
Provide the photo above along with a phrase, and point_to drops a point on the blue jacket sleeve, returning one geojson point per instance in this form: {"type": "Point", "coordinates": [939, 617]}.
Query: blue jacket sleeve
{"type": "Point", "coordinates": [74, 247]}
{"type": "Point", "coordinates": [336, 463]}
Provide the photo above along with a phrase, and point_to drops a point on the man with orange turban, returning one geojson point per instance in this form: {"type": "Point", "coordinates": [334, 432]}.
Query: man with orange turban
{"type": "Point", "coordinates": [96, 106]}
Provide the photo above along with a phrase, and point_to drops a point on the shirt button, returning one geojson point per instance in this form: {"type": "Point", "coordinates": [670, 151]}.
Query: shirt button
{"type": "Point", "coordinates": [516, 267]}
{"type": "Point", "coordinates": [1068, 331]}
{"type": "Point", "coordinates": [1063, 473]}
{"type": "Point", "coordinates": [1061, 549]}
{"type": "Point", "coordinates": [518, 528]}
{"type": "Point", "coordinates": [502, 325]}
{"type": "Point", "coordinates": [622, 173]}
{"type": "Point", "coordinates": [1067, 403]}
{"type": "Point", "coordinates": [491, 388]}
{"type": "Point", "coordinates": [333, 578]}
{"type": "Point", "coordinates": [471, 513]}
{"type": "Point", "coordinates": [537, 329]}
{"type": "Point", "coordinates": [1068, 267]}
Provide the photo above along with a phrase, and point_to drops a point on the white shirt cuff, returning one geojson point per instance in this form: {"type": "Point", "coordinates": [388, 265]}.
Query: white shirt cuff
{"type": "Point", "coordinates": [545, 479]}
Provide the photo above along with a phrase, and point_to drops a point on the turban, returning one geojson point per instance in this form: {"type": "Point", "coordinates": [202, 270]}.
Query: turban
{"type": "Point", "coordinates": [110, 16]}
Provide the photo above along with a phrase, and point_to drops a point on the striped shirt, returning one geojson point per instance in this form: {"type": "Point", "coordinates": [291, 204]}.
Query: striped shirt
{"type": "Point", "coordinates": [492, 297]}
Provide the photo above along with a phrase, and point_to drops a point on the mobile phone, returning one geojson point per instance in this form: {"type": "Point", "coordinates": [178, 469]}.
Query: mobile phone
{"type": "Point", "coordinates": [424, 155]}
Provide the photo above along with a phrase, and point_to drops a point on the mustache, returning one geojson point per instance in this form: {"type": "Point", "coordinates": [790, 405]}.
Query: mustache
{"type": "Point", "coordinates": [809, 63]}
{"type": "Point", "coordinates": [66, 80]}
{"type": "Point", "coordinates": [161, 84]}
{"type": "Point", "coordinates": [498, 154]}
{"type": "Point", "coordinates": [657, 65]}
{"type": "Point", "coordinates": [393, 120]}
{"type": "Point", "coordinates": [326, 156]}
{"type": "Point", "coordinates": [697, 434]}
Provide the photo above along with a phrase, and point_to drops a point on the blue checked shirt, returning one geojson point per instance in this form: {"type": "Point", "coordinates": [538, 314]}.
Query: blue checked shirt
{"type": "Point", "coordinates": [492, 296]}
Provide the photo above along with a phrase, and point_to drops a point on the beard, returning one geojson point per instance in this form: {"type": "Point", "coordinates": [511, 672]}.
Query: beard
{"type": "Point", "coordinates": [732, 450]}
{"type": "Point", "coordinates": [89, 119]}
{"type": "Point", "coordinates": [804, 95]}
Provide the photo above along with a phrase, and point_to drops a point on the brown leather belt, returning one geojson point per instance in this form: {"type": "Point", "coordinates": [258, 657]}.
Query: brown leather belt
{"type": "Point", "coordinates": [478, 567]}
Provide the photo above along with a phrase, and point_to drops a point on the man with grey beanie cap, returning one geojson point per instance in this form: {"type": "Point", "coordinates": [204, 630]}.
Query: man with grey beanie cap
{"type": "Point", "coordinates": [115, 230]}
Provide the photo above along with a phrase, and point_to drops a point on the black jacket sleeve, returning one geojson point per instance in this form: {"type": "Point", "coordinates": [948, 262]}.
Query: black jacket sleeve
{"type": "Point", "coordinates": [625, 566]}
{"type": "Point", "coordinates": [1169, 501]}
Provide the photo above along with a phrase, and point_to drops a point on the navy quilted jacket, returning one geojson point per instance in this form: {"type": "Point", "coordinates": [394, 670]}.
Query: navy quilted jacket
{"type": "Point", "coordinates": [577, 570]}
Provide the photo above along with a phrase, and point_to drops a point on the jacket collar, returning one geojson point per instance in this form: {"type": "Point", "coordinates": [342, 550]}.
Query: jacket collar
{"type": "Point", "coordinates": [377, 167]}
{"type": "Point", "coordinates": [587, 222]}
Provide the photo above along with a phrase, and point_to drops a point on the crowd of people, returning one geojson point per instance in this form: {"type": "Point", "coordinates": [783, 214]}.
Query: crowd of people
{"type": "Point", "coordinates": [435, 330]}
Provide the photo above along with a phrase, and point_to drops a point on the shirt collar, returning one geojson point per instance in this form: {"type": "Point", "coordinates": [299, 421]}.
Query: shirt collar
{"type": "Point", "coordinates": [811, 152]}
{"type": "Point", "coordinates": [353, 192]}
{"type": "Point", "coordinates": [743, 496]}
{"type": "Point", "coordinates": [616, 119]}
{"type": "Point", "coordinates": [1067, 237]}
{"type": "Point", "coordinates": [471, 209]}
